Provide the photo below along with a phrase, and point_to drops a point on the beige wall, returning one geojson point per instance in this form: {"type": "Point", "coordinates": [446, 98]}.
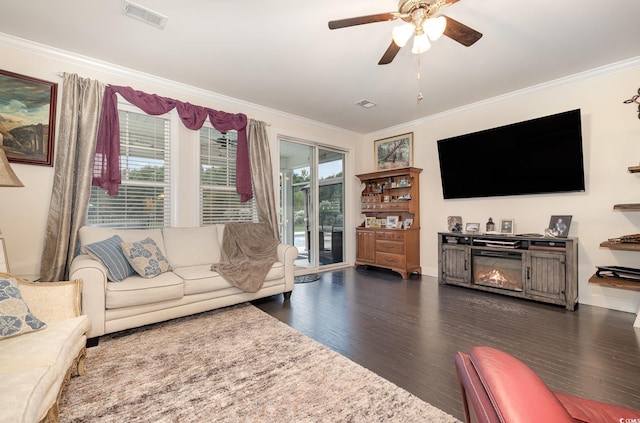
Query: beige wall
{"type": "Point", "coordinates": [23, 211]}
{"type": "Point", "coordinates": [611, 140]}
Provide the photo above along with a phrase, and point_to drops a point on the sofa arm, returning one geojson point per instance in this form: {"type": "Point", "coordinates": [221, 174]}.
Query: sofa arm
{"type": "Point", "coordinates": [94, 290]}
{"type": "Point", "coordinates": [51, 302]}
{"type": "Point", "coordinates": [287, 255]}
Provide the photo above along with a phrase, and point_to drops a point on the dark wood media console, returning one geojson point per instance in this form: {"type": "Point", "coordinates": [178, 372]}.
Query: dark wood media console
{"type": "Point", "coordinates": [534, 268]}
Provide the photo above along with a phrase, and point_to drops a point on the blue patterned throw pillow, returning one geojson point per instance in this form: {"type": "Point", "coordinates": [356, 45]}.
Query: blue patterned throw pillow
{"type": "Point", "coordinates": [145, 257]}
{"type": "Point", "coordinates": [15, 316]}
{"type": "Point", "coordinates": [109, 253]}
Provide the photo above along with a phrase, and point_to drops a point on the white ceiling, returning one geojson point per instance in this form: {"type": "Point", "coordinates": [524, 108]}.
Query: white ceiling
{"type": "Point", "coordinates": [280, 53]}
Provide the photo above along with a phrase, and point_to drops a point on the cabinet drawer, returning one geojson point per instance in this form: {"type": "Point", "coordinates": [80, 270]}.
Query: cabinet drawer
{"type": "Point", "coordinates": [390, 246]}
{"type": "Point", "coordinates": [395, 206]}
{"type": "Point", "coordinates": [390, 260]}
{"type": "Point", "coordinates": [390, 235]}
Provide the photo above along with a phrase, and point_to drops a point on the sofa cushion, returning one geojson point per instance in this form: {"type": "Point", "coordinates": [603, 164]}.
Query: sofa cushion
{"type": "Point", "coordinates": [52, 346]}
{"type": "Point", "coordinates": [199, 279]}
{"type": "Point", "coordinates": [145, 257]}
{"type": "Point", "coordinates": [15, 316]}
{"type": "Point", "coordinates": [136, 290]}
{"type": "Point", "coordinates": [191, 246]}
{"type": "Point", "coordinates": [109, 252]}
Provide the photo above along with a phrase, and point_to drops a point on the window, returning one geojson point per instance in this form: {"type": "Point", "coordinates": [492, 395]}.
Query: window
{"type": "Point", "coordinates": [219, 201]}
{"type": "Point", "coordinates": [143, 199]}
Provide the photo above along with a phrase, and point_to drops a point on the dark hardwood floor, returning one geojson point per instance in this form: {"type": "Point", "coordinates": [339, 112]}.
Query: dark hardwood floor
{"type": "Point", "coordinates": [408, 332]}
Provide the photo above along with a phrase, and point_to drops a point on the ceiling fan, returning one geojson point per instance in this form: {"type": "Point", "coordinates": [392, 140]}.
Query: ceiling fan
{"type": "Point", "coordinates": [422, 21]}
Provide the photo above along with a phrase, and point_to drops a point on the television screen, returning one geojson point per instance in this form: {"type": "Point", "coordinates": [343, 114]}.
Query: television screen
{"type": "Point", "coordinates": [537, 156]}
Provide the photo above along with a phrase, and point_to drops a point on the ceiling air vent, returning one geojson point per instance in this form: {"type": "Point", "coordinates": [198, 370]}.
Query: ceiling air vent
{"type": "Point", "coordinates": [366, 104]}
{"type": "Point", "coordinates": [143, 14]}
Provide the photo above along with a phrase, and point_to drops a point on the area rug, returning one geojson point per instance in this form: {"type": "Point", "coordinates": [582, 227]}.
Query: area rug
{"type": "Point", "coordinates": [231, 365]}
{"type": "Point", "coordinates": [306, 278]}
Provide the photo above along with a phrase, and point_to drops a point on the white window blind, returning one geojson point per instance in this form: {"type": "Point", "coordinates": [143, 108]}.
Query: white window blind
{"type": "Point", "coordinates": [144, 197]}
{"type": "Point", "coordinates": [219, 202]}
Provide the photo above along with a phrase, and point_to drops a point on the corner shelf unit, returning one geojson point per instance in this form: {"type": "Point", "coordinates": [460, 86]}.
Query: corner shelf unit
{"type": "Point", "coordinates": [611, 281]}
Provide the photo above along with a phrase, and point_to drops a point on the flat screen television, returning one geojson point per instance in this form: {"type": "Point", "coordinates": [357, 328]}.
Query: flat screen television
{"type": "Point", "coordinates": [537, 156]}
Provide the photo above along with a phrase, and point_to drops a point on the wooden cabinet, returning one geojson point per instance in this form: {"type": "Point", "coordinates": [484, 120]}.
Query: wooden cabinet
{"type": "Point", "coordinates": [390, 235]}
{"type": "Point", "coordinates": [541, 269]}
{"type": "Point", "coordinates": [365, 246]}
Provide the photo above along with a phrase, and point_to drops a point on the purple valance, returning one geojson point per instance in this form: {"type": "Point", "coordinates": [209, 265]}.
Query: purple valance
{"type": "Point", "coordinates": [106, 171]}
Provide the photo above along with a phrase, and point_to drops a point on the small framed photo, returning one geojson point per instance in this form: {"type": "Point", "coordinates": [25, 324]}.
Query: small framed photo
{"type": "Point", "coordinates": [454, 223]}
{"type": "Point", "coordinates": [406, 224]}
{"type": "Point", "coordinates": [368, 221]}
{"type": "Point", "coordinates": [375, 223]}
{"type": "Point", "coordinates": [559, 226]}
{"type": "Point", "coordinates": [472, 228]}
{"type": "Point", "coordinates": [393, 152]}
{"type": "Point", "coordinates": [507, 226]}
{"type": "Point", "coordinates": [392, 222]}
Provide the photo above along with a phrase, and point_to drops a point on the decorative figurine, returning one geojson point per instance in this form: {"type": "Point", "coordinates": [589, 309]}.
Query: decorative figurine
{"type": "Point", "coordinates": [490, 225]}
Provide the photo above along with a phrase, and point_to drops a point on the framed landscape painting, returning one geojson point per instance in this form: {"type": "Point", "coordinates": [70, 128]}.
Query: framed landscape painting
{"type": "Point", "coordinates": [394, 152]}
{"type": "Point", "coordinates": [27, 118]}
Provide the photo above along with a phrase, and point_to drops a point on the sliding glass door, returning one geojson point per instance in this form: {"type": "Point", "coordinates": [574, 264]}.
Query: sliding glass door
{"type": "Point", "coordinates": [312, 202]}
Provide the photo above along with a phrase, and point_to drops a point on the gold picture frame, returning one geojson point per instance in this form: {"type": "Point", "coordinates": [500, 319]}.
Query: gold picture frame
{"type": "Point", "coordinates": [393, 152]}
{"type": "Point", "coordinates": [29, 118]}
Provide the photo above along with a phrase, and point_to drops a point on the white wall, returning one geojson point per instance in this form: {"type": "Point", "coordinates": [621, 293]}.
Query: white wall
{"type": "Point", "coordinates": [23, 211]}
{"type": "Point", "coordinates": [611, 140]}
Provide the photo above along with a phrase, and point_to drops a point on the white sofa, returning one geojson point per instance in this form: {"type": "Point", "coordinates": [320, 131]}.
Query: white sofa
{"type": "Point", "coordinates": [35, 366]}
{"type": "Point", "coordinates": [189, 287]}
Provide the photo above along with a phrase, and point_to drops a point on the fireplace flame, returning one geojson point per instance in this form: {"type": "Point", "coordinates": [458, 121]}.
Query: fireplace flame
{"type": "Point", "coordinates": [496, 278]}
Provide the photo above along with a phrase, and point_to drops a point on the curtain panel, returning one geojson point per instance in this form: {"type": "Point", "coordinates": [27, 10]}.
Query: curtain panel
{"type": "Point", "coordinates": [106, 172]}
{"type": "Point", "coordinates": [80, 110]}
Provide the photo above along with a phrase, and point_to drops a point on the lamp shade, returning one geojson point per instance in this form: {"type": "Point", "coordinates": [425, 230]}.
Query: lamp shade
{"type": "Point", "coordinates": [434, 27]}
{"type": "Point", "coordinates": [402, 33]}
{"type": "Point", "coordinates": [7, 177]}
{"type": "Point", "coordinates": [420, 44]}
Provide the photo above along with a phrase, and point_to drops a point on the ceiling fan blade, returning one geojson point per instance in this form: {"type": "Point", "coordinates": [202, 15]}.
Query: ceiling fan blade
{"type": "Point", "coordinates": [361, 20]}
{"type": "Point", "coordinates": [390, 54]}
{"type": "Point", "coordinates": [461, 33]}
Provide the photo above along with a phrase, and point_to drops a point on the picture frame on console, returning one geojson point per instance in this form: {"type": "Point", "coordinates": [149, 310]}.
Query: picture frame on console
{"type": "Point", "coordinates": [454, 223]}
{"type": "Point", "coordinates": [507, 226]}
{"type": "Point", "coordinates": [31, 141]}
{"type": "Point", "coordinates": [392, 222]}
{"type": "Point", "coordinates": [393, 152]}
{"type": "Point", "coordinates": [559, 226]}
{"type": "Point", "coordinates": [472, 228]}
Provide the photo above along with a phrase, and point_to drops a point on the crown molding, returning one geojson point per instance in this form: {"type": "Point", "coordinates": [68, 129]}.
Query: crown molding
{"type": "Point", "coordinates": [609, 69]}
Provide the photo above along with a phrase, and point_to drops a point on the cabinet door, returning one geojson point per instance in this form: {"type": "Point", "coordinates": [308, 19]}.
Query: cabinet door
{"type": "Point", "coordinates": [365, 246]}
{"type": "Point", "coordinates": [546, 275]}
{"type": "Point", "coordinates": [455, 264]}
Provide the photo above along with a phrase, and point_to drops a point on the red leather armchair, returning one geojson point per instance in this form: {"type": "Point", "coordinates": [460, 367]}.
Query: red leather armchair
{"type": "Point", "coordinates": [499, 388]}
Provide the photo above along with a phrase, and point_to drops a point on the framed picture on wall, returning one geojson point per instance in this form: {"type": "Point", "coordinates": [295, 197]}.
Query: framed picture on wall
{"type": "Point", "coordinates": [29, 118]}
{"type": "Point", "coordinates": [393, 152]}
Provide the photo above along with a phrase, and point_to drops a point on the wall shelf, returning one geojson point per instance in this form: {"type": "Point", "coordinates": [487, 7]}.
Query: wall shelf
{"type": "Point", "coordinates": [613, 282]}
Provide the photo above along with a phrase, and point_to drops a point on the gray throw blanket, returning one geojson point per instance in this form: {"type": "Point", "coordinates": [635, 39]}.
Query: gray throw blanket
{"type": "Point", "coordinates": [248, 252]}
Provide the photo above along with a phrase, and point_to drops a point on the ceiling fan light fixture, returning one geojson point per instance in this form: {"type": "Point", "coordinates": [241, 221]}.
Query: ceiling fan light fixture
{"type": "Point", "coordinates": [420, 44]}
{"type": "Point", "coordinates": [434, 27]}
{"type": "Point", "coordinates": [402, 33]}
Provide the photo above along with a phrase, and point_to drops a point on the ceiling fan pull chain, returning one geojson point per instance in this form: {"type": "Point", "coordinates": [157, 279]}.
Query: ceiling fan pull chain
{"type": "Point", "coordinates": [420, 96]}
